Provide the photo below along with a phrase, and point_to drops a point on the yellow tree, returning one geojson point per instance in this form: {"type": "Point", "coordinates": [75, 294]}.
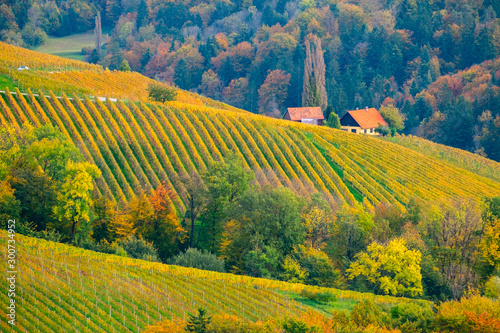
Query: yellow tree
{"type": "Point", "coordinates": [392, 268]}
{"type": "Point", "coordinates": [74, 199]}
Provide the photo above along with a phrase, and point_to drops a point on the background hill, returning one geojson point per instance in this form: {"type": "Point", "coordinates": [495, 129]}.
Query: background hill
{"type": "Point", "coordinates": [252, 54]}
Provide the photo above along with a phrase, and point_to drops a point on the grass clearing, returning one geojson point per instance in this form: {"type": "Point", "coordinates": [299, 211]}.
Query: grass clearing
{"type": "Point", "coordinates": [325, 308]}
{"type": "Point", "coordinates": [6, 81]}
{"type": "Point", "coordinates": [69, 46]}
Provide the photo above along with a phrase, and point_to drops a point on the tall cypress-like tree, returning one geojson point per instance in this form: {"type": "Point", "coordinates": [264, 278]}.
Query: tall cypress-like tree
{"type": "Point", "coordinates": [142, 14]}
{"type": "Point", "coordinates": [98, 32]}
{"type": "Point", "coordinates": [314, 91]}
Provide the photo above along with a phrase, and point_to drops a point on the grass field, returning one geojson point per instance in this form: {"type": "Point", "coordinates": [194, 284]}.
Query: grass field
{"type": "Point", "coordinates": [69, 46]}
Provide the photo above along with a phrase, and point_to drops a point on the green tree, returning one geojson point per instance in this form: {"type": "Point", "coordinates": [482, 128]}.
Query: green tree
{"type": "Point", "coordinates": [265, 225]}
{"type": "Point", "coordinates": [393, 117]}
{"type": "Point", "coordinates": [329, 110]}
{"type": "Point", "coordinates": [74, 200]}
{"type": "Point", "coordinates": [37, 194]}
{"type": "Point", "coordinates": [161, 93]}
{"type": "Point", "coordinates": [392, 268]}
{"type": "Point", "coordinates": [142, 14]}
{"type": "Point", "coordinates": [124, 66]}
{"type": "Point", "coordinates": [354, 226]}
{"type": "Point", "coordinates": [138, 248]}
{"type": "Point", "coordinates": [10, 207]}
{"type": "Point", "coordinates": [104, 210]}
{"type": "Point", "coordinates": [384, 130]}
{"type": "Point", "coordinates": [333, 121]}
{"type": "Point", "coordinates": [320, 269]}
{"type": "Point", "coordinates": [199, 259]}
{"type": "Point", "coordinates": [199, 323]}
{"type": "Point", "coordinates": [197, 197]}
{"type": "Point", "coordinates": [225, 181]}
{"type": "Point", "coordinates": [182, 77]}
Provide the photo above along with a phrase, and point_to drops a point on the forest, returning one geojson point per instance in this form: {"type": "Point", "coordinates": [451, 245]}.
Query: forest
{"type": "Point", "coordinates": [435, 61]}
{"type": "Point", "coordinates": [438, 250]}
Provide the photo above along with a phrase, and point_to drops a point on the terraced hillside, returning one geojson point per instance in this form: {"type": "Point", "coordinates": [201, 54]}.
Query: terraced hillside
{"type": "Point", "coordinates": [457, 157]}
{"type": "Point", "coordinates": [138, 145]}
{"type": "Point", "coordinates": [61, 288]}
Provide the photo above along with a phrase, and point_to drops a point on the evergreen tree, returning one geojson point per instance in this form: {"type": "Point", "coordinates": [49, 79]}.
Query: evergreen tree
{"type": "Point", "coordinates": [146, 57]}
{"type": "Point", "coordinates": [124, 67]}
{"type": "Point", "coordinates": [142, 14]}
{"type": "Point", "coordinates": [328, 111]}
{"type": "Point", "coordinates": [182, 77]}
{"type": "Point", "coordinates": [226, 72]}
{"type": "Point", "coordinates": [199, 323]}
{"type": "Point", "coordinates": [333, 121]}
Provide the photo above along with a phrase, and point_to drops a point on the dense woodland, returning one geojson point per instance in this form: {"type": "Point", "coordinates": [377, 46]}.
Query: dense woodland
{"type": "Point", "coordinates": [437, 250]}
{"type": "Point", "coordinates": [264, 56]}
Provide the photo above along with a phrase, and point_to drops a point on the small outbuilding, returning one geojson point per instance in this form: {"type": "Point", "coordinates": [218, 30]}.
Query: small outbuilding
{"type": "Point", "coordinates": [362, 121]}
{"type": "Point", "coordinates": [306, 115]}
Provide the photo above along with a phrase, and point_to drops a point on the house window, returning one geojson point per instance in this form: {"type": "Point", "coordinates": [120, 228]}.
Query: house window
{"type": "Point", "coordinates": [366, 131]}
{"type": "Point", "coordinates": [371, 130]}
{"type": "Point", "coordinates": [353, 130]}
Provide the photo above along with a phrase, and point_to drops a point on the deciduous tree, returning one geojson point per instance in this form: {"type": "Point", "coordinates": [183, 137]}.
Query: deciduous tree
{"type": "Point", "coordinates": [392, 268]}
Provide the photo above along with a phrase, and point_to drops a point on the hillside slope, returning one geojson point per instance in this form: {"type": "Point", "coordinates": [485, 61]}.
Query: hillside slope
{"type": "Point", "coordinates": [61, 288]}
{"type": "Point", "coordinates": [138, 145]}
{"type": "Point", "coordinates": [457, 157]}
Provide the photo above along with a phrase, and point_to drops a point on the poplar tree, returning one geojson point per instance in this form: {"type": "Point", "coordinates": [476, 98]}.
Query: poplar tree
{"type": "Point", "coordinates": [98, 32]}
{"type": "Point", "coordinates": [314, 91]}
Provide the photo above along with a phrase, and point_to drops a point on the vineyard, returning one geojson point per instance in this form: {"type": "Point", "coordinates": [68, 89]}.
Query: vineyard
{"type": "Point", "coordinates": [61, 288]}
{"type": "Point", "coordinates": [460, 158]}
{"type": "Point", "coordinates": [51, 73]}
{"type": "Point", "coordinates": [138, 146]}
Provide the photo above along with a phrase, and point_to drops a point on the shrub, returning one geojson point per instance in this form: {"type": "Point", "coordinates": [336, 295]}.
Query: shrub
{"type": "Point", "coordinates": [384, 130]}
{"type": "Point", "coordinates": [161, 93]}
{"type": "Point", "coordinates": [319, 297]}
{"type": "Point", "coordinates": [333, 121]}
{"type": "Point", "coordinates": [412, 317]}
{"type": "Point", "coordinates": [367, 313]}
{"type": "Point", "coordinates": [199, 259]}
{"type": "Point", "coordinates": [472, 314]}
{"type": "Point", "coordinates": [492, 287]}
{"type": "Point", "coordinates": [50, 235]}
{"type": "Point", "coordinates": [138, 248]}
{"type": "Point", "coordinates": [292, 325]}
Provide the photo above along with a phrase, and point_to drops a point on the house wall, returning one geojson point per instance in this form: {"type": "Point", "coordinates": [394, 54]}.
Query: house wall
{"type": "Point", "coordinates": [313, 121]}
{"type": "Point", "coordinates": [287, 116]}
{"type": "Point", "coordinates": [359, 130]}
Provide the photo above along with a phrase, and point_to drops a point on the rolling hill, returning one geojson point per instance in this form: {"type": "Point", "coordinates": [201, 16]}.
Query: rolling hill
{"type": "Point", "coordinates": [137, 144]}
{"type": "Point", "coordinates": [61, 288]}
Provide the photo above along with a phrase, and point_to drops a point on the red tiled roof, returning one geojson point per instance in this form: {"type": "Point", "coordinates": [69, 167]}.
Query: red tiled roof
{"type": "Point", "coordinates": [305, 113]}
{"type": "Point", "coordinates": [370, 118]}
